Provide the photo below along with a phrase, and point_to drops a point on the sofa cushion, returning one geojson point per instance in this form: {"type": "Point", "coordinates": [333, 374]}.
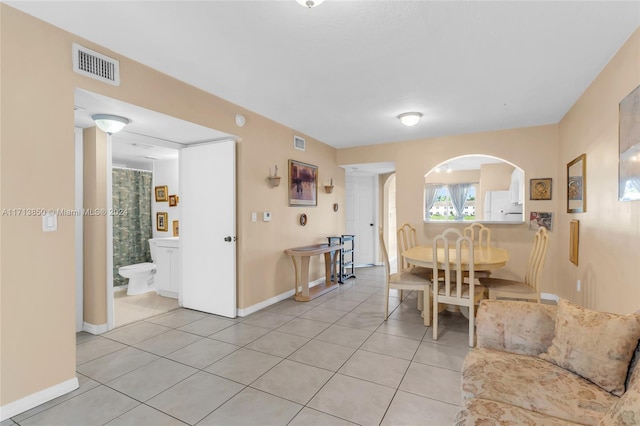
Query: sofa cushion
{"type": "Point", "coordinates": [627, 410]}
{"type": "Point", "coordinates": [596, 345]}
{"type": "Point", "coordinates": [533, 384]}
{"type": "Point", "coordinates": [478, 411]}
{"type": "Point", "coordinates": [518, 327]}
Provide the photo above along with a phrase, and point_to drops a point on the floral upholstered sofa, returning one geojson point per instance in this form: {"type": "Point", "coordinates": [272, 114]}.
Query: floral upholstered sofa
{"type": "Point", "coordinates": [538, 364]}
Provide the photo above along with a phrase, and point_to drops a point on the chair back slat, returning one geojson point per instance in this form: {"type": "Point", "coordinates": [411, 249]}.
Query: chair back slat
{"type": "Point", "coordinates": [385, 255]}
{"type": "Point", "coordinates": [407, 238]}
{"type": "Point", "coordinates": [479, 234]}
{"type": "Point", "coordinates": [442, 245]}
{"type": "Point", "coordinates": [536, 258]}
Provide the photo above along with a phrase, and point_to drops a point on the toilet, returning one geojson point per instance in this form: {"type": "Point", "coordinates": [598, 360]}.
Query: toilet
{"type": "Point", "coordinates": [140, 275]}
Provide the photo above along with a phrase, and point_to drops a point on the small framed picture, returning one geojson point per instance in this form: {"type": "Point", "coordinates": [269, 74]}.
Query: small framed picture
{"type": "Point", "coordinates": [540, 189]}
{"type": "Point", "coordinates": [299, 143]}
{"type": "Point", "coordinates": [176, 229]}
{"type": "Point", "coordinates": [540, 220]}
{"type": "Point", "coordinates": [161, 221]}
{"type": "Point", "coordinates": [161, 193]}
{"type": "Point", "coordinates": [173, 200]}
{"type": "Point", "coordinates": [574, 241]}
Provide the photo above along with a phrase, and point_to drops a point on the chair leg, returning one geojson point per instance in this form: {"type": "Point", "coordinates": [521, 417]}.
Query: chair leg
{"type": "Point", "coordinates": [419, 300]}
{"type": "Point", "coordinates": [434, 323]}
{"type": "Point", "coordinates": [386, 305]}
{"type": "Point", "coordinates": [426, 307]}
{"type": "Point", "coordinates": [401, 294]}
{"type": "Point", "coordinates": [472, 316]}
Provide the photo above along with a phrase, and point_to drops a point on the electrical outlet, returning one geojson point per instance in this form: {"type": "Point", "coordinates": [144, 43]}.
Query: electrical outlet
{"type": "Point", "coordinates": [578, 286]}
{"type": "Point", "coordinates": [266, 216]}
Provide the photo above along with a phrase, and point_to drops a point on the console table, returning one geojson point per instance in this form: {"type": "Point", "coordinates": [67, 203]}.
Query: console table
{"type": "Point", "coordinates": [300, 257]}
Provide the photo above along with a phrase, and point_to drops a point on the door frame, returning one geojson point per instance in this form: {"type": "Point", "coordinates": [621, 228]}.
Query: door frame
{"type": "Point", "coordinates": [376, 214]}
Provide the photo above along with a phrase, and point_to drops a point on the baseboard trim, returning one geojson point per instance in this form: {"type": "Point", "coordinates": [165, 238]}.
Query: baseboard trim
{"type": "Point", "coordinates": [28, 402]}
{"type": "Point", "coordinates": [95, 329]}
{"type": "Point", "coordinates": [258, 306]}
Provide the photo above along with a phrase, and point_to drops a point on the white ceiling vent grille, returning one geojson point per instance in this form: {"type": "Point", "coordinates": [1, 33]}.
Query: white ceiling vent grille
{"type": "Point", "coordinates": [95, 65]}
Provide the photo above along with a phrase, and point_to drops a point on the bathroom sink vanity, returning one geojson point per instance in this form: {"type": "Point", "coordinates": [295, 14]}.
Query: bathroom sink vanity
{"type": "Point", "coordinates": [167, 260]}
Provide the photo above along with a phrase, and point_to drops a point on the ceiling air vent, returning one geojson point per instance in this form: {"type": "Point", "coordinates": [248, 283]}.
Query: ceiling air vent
{"type": "Point", "coordinates": [95, 65]}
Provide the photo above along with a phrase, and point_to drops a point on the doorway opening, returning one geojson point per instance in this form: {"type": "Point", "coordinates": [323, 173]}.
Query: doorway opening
{"type": "Point", "coordinates": [150, 145]}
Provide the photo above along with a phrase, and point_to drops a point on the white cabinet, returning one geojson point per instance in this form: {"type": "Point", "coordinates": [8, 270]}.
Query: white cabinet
{"type": "Point", "coordinates": [167, 278]}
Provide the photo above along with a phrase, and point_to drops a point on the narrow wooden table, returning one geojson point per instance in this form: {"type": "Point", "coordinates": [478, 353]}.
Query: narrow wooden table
{"type": "Point", "coordinates": [300, 257]}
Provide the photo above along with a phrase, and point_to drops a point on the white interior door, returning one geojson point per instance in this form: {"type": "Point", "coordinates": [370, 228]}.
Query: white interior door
{"type": "Point", "coordinates": [208, 228]}
{"type": "Point", "coordinates": [360, 214]}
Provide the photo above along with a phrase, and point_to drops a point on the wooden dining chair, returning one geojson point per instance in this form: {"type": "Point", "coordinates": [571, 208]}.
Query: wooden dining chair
{"type": "Point", "coordinates": [407, 238]}
{"type": "Point", "coordinates": [479, 234]}
{"type": "Point", "coordinates": [405, 281]}
{"type": "Point", "coordinates": [528, 289]}
{"type": "Point", "coordinates": [481, 237]}
{"type": "Point", "coordinates": [453, 290]}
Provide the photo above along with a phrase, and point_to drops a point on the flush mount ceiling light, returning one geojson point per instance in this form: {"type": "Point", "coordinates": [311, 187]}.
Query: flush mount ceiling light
{"type": "Point", "coordinates": [110, 124]}
{"type": "Point", "coordinates": [310, 3]}
{"type": "Point", "coordinates": [410, 118]}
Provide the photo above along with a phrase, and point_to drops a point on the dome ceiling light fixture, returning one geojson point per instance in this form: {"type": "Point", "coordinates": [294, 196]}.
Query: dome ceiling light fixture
{"type": "Point", "coordinates": [310, 3]}
{"type": "Point", "coordinates": [410, 118]}
{"type": "Point", "coordinates": [110, 124]}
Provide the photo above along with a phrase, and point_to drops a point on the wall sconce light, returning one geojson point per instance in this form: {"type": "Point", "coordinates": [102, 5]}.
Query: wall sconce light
{"type": "Point", "coordinates": [410, 118]}
{"type": "Point", "coordinates": [110, 124]}
{"type": "Point", "coordinates": [275, 179]}
{"type": "Point", "coordinates": [329, 188]}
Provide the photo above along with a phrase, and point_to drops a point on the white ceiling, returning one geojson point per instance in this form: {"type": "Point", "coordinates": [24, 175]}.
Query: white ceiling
{"type": "Point", "coordinates": [343, 71]}
{"type": "Point", "coordinates": [149, 135]}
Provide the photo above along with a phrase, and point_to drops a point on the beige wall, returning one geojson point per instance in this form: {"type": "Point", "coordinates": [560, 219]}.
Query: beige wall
{"type": "Point", "coordinates": [527, 148]}
{"type": "Point", "coordinates": [609, 230]}
{"type": "Point", "coordinates": [95, 227]}
{"type": "Point", "coordinates": [37, 170]}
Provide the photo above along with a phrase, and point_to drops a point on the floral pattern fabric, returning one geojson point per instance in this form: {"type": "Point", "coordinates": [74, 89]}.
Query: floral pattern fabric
{"type": "Point", "coordinates": [533, 384]}
{"type": "Point", "coordinates": [596, 345]}
{"type": "Point", "coordinates": [627, 410]}
{"type": "Point", "coordinates": [518, 327]}
{"type": "Point", "coordinates": [483, 412]}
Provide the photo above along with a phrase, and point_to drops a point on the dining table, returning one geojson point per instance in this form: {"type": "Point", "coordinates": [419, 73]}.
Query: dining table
{"type": "Point", "coordinates": [484, 259]}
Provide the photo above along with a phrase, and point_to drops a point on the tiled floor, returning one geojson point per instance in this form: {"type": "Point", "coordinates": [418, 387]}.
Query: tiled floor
{"type": "Point", "coordinates": [128, 309]}
{"type": "Point", "coordinates": [332, 361]}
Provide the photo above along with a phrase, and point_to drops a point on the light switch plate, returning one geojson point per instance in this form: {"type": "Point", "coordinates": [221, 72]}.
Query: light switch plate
{"type": "Point", "coordinates": [254, 217]}
{"type": "Point", "coordinates": [50, 222]}
{"type": "Point", "coordinates": [266, 216]}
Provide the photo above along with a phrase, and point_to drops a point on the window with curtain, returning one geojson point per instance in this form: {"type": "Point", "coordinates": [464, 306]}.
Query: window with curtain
{"type": "Point", "coordinates": [452, 202]}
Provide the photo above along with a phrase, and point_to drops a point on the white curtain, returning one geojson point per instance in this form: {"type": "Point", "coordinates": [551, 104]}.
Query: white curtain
{"type": "Point", "coordinates": [459, 193]}
{"type": "Point", "coordinates": [431, 192]}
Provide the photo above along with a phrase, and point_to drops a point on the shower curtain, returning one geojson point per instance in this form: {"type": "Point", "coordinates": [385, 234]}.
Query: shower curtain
{"type": "Point", "coordinates": [132, 225]}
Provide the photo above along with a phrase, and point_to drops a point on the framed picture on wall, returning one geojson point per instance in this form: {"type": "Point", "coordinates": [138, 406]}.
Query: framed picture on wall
{"type": "Point", "coordinates": [176, 228]}
{"type": "Point", "coordinates": [303, 184]}
{"type": "Point", "coordinates": [629, 147]}
{"type": "Point", "coordinates": [161, 193]}
{"type": "Point", "coordinates": [577, 185]}
{"type": "Point", "coordinates": [540, 189]}
{"type": "Point", "coordinates": [574, 241]}
{"type": "Point", "coordinates": [161, 221]}
{"type": "Point", "coordinates": [173, 200]}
